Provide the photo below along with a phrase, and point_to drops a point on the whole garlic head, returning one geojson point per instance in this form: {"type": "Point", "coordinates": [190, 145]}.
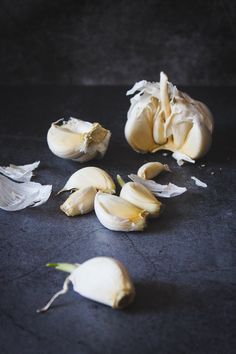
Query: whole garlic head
{"type": "Point", "coordinates": [163, 118]}
{"type": "Point", "coordinates": [78, 140]}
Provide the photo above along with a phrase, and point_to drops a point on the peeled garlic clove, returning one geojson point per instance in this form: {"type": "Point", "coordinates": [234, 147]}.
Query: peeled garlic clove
{"type": "Point", "coordinates": [118, 214]}
{"type": "Point", "coordinates": [101, 279]}
{"type": "Point", "coordinates": [152, 169]}
{"type": "Point", "coordinates": [178, 123]}
{"type": "Point", "coordinates": [78, 140]}
{"type": "Point", "coordinates": [140, 196]}
{"type": "Point", "coordinates": [90, 176]}
{"type": "Point", "coordinates": [80, 202]}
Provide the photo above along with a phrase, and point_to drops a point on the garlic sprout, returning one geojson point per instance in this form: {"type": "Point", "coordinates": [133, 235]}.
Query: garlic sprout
{"type": "Point", "coordinates": [163, 118]}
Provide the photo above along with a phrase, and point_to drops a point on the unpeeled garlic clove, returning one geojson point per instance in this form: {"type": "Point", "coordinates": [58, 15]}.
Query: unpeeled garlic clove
{"type": "Point", "coordinates": [78, 140]}
{"type": "Point", "coordinates": [141, 197]}
{"type": "Point", "coordinates": [152, 169]}
{"type": "Point", "coordinates": [79, 202]}
{"type": "Point", "coordinates": [102, 279]}
{"type": "Point", "coordinates": [117, 214]}
{"type": "Point", "coordinates": [90, 176]}
{"type": "Point", "coordinates": [163, 118]}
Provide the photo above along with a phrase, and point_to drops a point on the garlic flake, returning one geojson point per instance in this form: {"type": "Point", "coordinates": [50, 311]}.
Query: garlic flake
{"type": "Point", "coordinates": [198, 182]}
{"type": "Point", "coordinates": [163, 118]}
{"type": "Point", "coordinates": [78, 140]}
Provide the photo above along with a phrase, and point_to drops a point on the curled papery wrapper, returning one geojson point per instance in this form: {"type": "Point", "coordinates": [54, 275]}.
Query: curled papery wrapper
{"type": "Point", "coordinates": [161, 190]}
{"type": "Point", "coordinates": [19, 173]}
{"type": "Point", "coordinates": [198, 182]}
{"type": "Point", "coordinates": [161, 117]}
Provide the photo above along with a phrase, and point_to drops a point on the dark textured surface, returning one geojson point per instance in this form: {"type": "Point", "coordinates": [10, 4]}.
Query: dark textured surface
{"type": "Point", "coordinates": [183, 265]}
{"type": "Point", "coordinates": [117, 42]}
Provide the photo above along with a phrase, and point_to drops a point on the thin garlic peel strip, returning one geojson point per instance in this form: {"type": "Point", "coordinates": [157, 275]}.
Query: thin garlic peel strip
{"type": "Point", "coordinates": [181, 158]}
{"type": "Point", "coordinates": [102, 279]}
{"type": "Point", "coordinates": [165, 191]}
{"type": "Point", "coordinates": [16, 196]}
{"type": "Point", "coordinates": [198, 182]}
{"type": "Point", "coordinates": [19, 173]}
{"type": "Point", "coordinates": [78, 140]}
{"type": "Point", "coordinates": [162, 117]}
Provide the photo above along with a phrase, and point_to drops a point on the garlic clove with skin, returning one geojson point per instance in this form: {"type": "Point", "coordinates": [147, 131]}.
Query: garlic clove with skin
{"type": "Point", "coordinates": [101, 279]}
{"type": "Point", "coordinates": [171, 120]}
{"type": "Point", "coordinates": [78, 140]}
{"type": "Point", "coordinates": [79, 202]}
{"type": "Point", "coordinates": [152, 169]}
{"type": "Point", "coordinates": [117, 214]}
{"type": "Point", "coordinates": [90, 176]}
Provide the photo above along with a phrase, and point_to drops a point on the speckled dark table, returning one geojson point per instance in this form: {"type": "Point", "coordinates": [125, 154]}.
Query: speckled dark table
{"type": "Point", "coordinates": [183, 265]}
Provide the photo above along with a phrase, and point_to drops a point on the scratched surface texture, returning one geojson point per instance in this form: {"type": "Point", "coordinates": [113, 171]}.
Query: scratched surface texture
{"type": "Point", "coordinates": [117, 42]}
{"type": "Point", "coordinates": [183, 265]}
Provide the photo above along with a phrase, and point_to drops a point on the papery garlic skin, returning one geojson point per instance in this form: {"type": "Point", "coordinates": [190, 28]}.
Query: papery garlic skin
{"type": "Point", "coordinates": [78, 140]}
{"type": "Point", "coordinates": [163, 118]}
{"type": "Point", "coordinates": [140, 196]}
{"type": "Point", "coordinates": [104, 280]}
{"type": "Point", "coordinates": [90, 176]}
{"type": "Point", "coordinates": [117, 214]}
{"type": "Point", "coordinates": [152, 169]}
{"type": "Point", "coordinates": [79, 202]}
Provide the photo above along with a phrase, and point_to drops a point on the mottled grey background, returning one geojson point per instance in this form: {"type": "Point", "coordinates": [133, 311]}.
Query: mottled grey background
{"type": "Point", "coordinates": [117, 42]}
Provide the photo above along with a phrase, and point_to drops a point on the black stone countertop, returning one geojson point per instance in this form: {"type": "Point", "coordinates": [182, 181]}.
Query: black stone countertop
{"type": "Point", "coordinates": [183, 264]}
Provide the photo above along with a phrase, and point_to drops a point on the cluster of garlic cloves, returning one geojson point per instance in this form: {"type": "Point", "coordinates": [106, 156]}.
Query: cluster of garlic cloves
{"type": "Point", "coordinates": [163, 118]}
{"type": "Point", "coordinates": [78, 140]}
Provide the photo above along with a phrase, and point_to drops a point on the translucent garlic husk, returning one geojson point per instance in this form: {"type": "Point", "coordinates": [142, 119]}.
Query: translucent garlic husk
{"type": "Point", "coordinates": [141, 197]}
{"type": "Point", "coordinates": [78, 140]}
{"type": "Point", "coordinates": [79, 202]}
{"type": "Point", "coordinates": [117, 214]}
{"type": "Point", "coordinates": [163, 118]}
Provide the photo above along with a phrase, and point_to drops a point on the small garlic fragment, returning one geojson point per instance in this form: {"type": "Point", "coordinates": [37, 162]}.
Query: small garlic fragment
{"type": "Point", "coordinates": [90, 176]}
{"type": "Point", "coordinates": [78, 140]}
{"type": "Point", "coordinates": [161, 117]}
{"type": "Point", "coordinates": [101, 279]}
{"type": "Point", "coordinates": [79, 202]}
{"type": "Point", "coordinates": [140, 196]}
{"type": "Point", "coordinates": [199, 183]}
{"type": "Point", "coordinates": [117, 214]}
{"type": "Point", "coordinates": [152, 169]}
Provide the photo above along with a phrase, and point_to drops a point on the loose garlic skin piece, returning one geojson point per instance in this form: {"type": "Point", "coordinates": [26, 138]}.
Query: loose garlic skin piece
{"type": "Point", "coordinates": [79, 202]}
{"type": "Point", "coordinates": [118, 214]}
{"type": "Point", "coordinates": [141, 197]}
{"type": "Point", "coordinates": [78, 140]}
{"type": "Point", "coordinates": [163, 118]}
{"type": "Point", "coordinates": [90, 176]}
{"type": "Point", "coordinates": [101, 279]}
{"type": "Point", "coordinates": [152, 169]}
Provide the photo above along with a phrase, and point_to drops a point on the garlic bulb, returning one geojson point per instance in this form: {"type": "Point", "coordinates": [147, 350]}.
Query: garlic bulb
{"type": "Point", "coordinates": [102, 279]}
{"type": "Point", "coordinates": [90, 176]}
{"type": "Point", "coordinates": [118, 214]}
{"type": "Point", "coordinates": [78, 140]}
{"type": "Point", "coordinates": [140, 196]}
{"type": "Point", "coordinates": [163, 118]}
{"type": "Point", "coordinates": [79, 202]}
{"type": "Point", "coordinates": [152, 169]}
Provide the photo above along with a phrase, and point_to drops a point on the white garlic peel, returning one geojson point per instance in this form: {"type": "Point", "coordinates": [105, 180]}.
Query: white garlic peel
{"type": "Point", "coordinates": [163, 118]}
{"type": "Point", "coordinates": [102, 279]}
{"type": "Point", "coordinates": [79, 202]}
{"type": "Point", "coordinates": [90, 176]}
{"type": "Point", "coordinates": [198, 182]}
{"type": "Point", "coordinates": [141, 197]}
{"type": "Point", "coordinates": [78, 140]}
{"type": "Point", "coordinates": [161, 190]}
{"type": "Point", "coordinates": [21, 173]}
{"type": "Point", "coordinates": [117, 214]}
{"type": "Point", "coordinates": [152, 169]}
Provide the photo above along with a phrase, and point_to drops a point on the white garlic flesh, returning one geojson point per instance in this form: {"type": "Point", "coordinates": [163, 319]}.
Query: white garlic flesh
{"type": "Point", "coordinates": [101, 279]}
{"type": "Point", "coordinates": [79, 202]}
{"type": "Point", "coordinates": [152, 169]}
{"type": "Point", "coordinates": [78, 140]}
{"type": "Point", "coordinates": [117, 214]}
{"type": "Point", "coordinates": [90, 176]}
{"type": "Point", "coordinates": [163, 118]}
